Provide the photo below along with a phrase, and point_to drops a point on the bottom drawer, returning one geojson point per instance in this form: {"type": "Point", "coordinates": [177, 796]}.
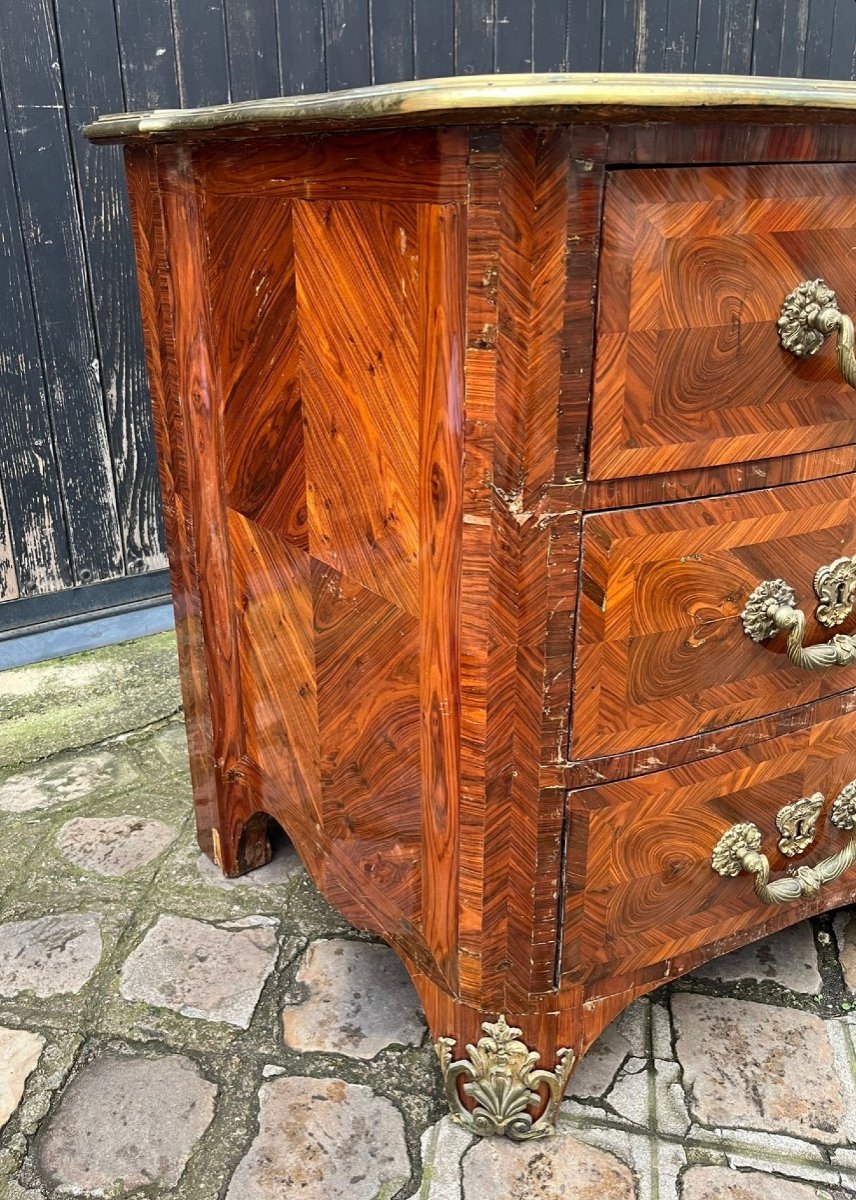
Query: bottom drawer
{"type": "Point", "coordinates": [640, 884]}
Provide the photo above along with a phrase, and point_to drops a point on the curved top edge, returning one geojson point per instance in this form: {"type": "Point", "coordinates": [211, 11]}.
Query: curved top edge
{"type": "Point", "coordinates": [458, 98]}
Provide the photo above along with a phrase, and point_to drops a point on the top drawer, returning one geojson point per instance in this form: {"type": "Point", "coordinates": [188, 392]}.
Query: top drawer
{"type": "Point", "coordinates": [696, 264]}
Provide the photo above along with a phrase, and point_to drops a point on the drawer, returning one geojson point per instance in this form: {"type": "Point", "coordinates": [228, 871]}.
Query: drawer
{"type": "Point", "coordinates": [696, 264]}
{"type": "Point", "coordinates": [640, 886]}
{"type": "Point", "coordinates": [661, 651]}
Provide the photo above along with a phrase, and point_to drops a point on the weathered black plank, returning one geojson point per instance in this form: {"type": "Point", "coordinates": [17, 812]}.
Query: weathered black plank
{"type": "Point", "coordinates": [514, 35]}
{"type": "Point", "coordinates": [550, 35]}
{"type": "Point", "coordinates": [391, 24]}
{"type": "Point", "coordinates": [651, 26]}
{"type": "Point", "coordinates": [724, 36]}
{"type": "Point", "coordinates": [147, 50]}
{"type": "Point", "coordinates": [618, 39]}
{"type": "Point", "coordinates": [39, 139]}
{"type": "Point", "coordinates": [252, 42]}
{"type": "Point", "coordinates": [585, 34]}
{"type": "Point", "coordinates": [200, 44]}
{"type": "Point", "coordinates": [302, 49]}
{"type": "Point", "coordinates": [58, 608]}
{"type": "Point", "coordinates": [843, 57]}
{"type": "Point", "coordinates": [91, 74]}
{"type": "Point", "coordinates": [346, 27]}
{"type": "Point", "coordinates": [818, 42]}
{"type": "Point", "coordinates": [34, 529]}
{"type": "Point", "coordinates": [680, 45]}
{"type": "Point", "coordinates": [780, 37]}
{"type": "Point", "coordinates": [8, 575]}
{"type": "Point", "coordinates": [434, 39]}
{"type": "Point", "coordinates": [475, 40]}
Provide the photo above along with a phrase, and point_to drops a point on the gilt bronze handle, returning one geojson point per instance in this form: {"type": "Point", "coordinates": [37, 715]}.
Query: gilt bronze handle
{"type": "Point", "coordinates": [739, 850]}
{"type": "Point", "coordinates": [773, 607]}
{"type": "Point", "coordinates": [810, 313]}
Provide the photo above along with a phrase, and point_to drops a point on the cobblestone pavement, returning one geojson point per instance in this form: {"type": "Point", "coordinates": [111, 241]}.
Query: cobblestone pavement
{"type": "Point", "coordinates": [166, 1032]}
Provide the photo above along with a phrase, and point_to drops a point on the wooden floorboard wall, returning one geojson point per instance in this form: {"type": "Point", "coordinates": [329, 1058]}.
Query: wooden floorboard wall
{"type": "Point", "coordinates": [79, 500]}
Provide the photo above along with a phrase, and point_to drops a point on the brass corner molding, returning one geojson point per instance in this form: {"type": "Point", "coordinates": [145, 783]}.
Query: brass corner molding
{"type": "Point", "coordinates": [503, 1081]}
{"type": "Point", "coordinates": [462, 98]}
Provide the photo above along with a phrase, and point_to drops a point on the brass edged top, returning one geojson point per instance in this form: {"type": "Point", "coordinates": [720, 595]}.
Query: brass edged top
{"type": "Point", "coordinates": [472, 98]}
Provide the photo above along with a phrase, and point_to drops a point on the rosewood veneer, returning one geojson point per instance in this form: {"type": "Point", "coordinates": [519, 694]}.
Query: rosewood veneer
{"type": "Point", "coordinates": [512, 524]}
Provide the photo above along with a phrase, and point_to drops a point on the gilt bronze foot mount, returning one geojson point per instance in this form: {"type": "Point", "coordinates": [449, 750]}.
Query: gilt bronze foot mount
{"type": "Point", "coordinates": [504, 1083]}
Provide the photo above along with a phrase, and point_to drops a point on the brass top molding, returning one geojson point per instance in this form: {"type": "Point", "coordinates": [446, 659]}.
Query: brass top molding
{"type": "Point", "coordinates": [464, 99]}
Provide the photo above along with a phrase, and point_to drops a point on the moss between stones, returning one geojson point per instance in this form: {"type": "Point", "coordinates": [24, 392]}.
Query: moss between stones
{"type": "Point", "coordinates": [77, 701]}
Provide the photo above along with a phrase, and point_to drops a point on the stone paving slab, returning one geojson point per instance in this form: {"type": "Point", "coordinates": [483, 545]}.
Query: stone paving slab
{"type": "Point", "coordinates": [724, 1183]}
{"type": "Point", "coordinates": [49, 956]}
{"type": "Point", "coordinates": [125, 1122]}
{"type": "Point", "coordinates": [19, 1052]}
{"type": "Point", "coordinates": [562, 1166]}
{"type": "Point", "coordinates": [754, 1066]}
{"type": "Point", "coordinates": [359, 1000]}
{"type": "Point", "coordinates": [166, 1034]}
{"type": "Point", "coordinates": [323, 1139]}
{"type": "Point", "coordinates": [209, 972]}
{"type": "Point", "coordinates": [113, 846]}
{"type": "Point", "coordinates": [788, 959]}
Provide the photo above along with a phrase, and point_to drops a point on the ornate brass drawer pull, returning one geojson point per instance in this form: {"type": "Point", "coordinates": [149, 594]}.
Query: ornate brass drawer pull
{"type": "Point", "coordinates": [810, 313]}
{"type": "Point", "coordinates": [773, 607]}
{"type": "Point", "coordinates": [739, 849]}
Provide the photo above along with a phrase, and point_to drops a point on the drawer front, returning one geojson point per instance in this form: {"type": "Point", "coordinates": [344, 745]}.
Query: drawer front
{"type": "Point", "coordinates": [696, 264]}
{"type": "Point", "coordinates": [640, 885]}
{"type": "Point", "coordinates": [661, 650]}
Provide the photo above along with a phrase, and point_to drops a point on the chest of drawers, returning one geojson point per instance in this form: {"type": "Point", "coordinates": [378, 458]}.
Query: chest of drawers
{"type": "Point", "coordinates": [512, 545]}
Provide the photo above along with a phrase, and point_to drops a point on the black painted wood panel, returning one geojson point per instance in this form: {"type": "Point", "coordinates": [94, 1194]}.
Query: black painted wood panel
{"type": "Point", "coordinates": [46, 189]}
{"type": "Point", "coordinates": [78, 490]}
{"type": "Point", "coordinates": [91, 71]}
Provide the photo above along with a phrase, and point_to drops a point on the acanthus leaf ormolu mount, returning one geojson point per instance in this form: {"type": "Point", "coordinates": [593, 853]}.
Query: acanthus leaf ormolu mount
{"type": "Point", "coordinates": [479, 444]}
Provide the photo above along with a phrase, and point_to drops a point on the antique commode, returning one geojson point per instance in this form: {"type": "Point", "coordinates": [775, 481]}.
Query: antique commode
{"type": "Point", "coordinates": [510, 499]}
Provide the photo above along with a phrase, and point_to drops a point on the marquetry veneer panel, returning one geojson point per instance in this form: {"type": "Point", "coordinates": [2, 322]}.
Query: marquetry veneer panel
{"type": "Point", "coordinates": [696, 263]}
{"type": "Point", "coordinates": [661, 652]}
{"type": "Point", "coordinates": [639, 882]}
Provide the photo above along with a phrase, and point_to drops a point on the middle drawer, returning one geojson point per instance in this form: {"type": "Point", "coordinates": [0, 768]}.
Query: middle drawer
{"type": "Point", "coordinates": [661, 651]}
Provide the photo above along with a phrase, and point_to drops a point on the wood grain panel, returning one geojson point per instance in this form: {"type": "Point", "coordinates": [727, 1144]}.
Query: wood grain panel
{"type": "Point", "coordinates": [648, 759]}
{"type": "Point", "coordinates": [661, 651]}
{"type": "Point", "coordinates": [586, 183]}
{"type": "Point", "coordinates": [150, 241]}
{"type": "Point", "coordinates": [734, 141]}
{"type": "Point", "coordinates": [717, 481]}
{"type": "Point", "coordinates": [640, 884]}
{"type": "Point", "coordinates": [689, 370]}
{"type": "Point", "coordinates": [428, 166]}
{"type": "Point", "coordinates": [274, 607]}
{"type": "Point", "coordinates": [441, 233]}
{"type": "Point", "coordinates": [367, 664]}
{"type": "Point", "coordinates": [197, 405]}
{"type": "Point", "coordinates": [358, 300]}
{"type": "Point", "coordinates": [533, 533]}
{"type": "Point", "coordinates": [478, 630]}
{"type": "Point", "coordinates": [254, 324]}
{"type": "Point", "coordinates": [373, 423]}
